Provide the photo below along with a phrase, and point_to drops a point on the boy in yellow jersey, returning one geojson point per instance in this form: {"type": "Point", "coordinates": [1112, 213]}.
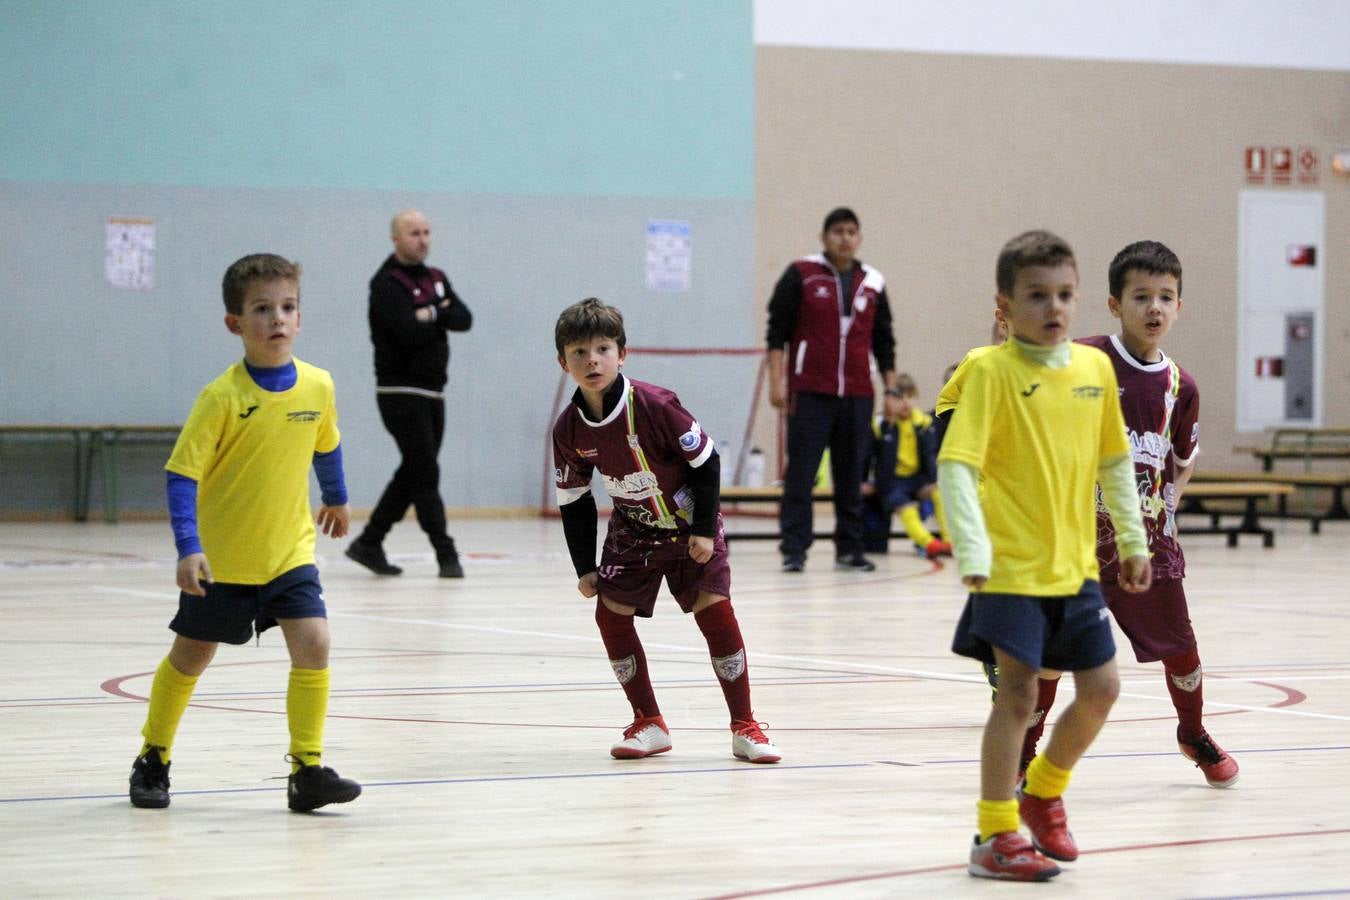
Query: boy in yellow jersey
{"type": "Point", "coordinates": [903, 472]}
{"type": "Point", "coordinates": [241, 468]}
{"type": "Point", "coordinates": [1040, 423]}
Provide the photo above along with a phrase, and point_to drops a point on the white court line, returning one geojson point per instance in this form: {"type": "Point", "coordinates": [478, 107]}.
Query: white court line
{"type": "Point", "coordinates": [758, 654]}
{"type": "Point", "coordinates": [807, 660]}
{"type": "Point", "coordinates": [130, 592]}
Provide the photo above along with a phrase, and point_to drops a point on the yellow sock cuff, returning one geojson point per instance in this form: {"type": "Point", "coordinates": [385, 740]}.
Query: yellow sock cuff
{"type": "Point", "coordinates": [170, 693]}
{"type": "Point", "coordinates": [996, 817]}
{"type": "Point", "coordinates": [1045, 779]}
{"type": "Point", "coordinates": [306, 710]}
{"type": "Point", "coordinates": [909, 515]}
{"type": "Point", "coordinates": [940, 513]}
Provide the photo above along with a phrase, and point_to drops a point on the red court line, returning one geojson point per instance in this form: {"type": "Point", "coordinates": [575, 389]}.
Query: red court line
{"type": "Point", "coordinates": [958, 867]}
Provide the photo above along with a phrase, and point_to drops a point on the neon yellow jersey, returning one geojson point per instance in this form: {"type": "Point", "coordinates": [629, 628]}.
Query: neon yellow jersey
{"type": "Point", "coordinates": [1037, 435]}
{"type": "Point", "coordinates": [951, 391]}
{"type": "Point", "coordinates": [250, 451]}
{"type": "Point", "coordinates": [907, 449]}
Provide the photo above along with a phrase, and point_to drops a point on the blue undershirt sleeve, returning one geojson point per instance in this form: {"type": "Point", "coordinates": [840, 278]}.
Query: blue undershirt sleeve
{"type": "Point", "coordinates": [332, 483]}
{"type": "Point", "coordinates": [182, 493]}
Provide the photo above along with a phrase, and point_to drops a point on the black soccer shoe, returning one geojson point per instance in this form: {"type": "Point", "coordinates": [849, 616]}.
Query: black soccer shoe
{"type": "Point", "coordinates": [372, 557]}
{"type": "Point", "coordinates": [150, 781]}
{"type": "Point", "coordinates": [450, 567]}
{"type": "Point", "coordinates": [315, 786]}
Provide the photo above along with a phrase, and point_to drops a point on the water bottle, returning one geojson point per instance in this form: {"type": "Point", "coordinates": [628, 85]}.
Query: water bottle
{"type": "Point", "coordinates": [728, 465]}
{"type": "Point", "coordinates": [754, 468]}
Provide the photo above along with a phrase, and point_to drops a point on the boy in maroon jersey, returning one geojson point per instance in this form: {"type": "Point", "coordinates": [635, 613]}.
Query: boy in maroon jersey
{"type": "Point", "coordinates": [662, 473]}
{"type": "Point", "coordinates": [1161, 406]}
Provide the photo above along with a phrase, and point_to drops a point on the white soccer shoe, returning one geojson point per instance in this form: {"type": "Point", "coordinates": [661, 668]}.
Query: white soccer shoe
{"type": "Point", "coordinates": [647, 736]}
{"type": "Point", "coordinates": [749, 743]}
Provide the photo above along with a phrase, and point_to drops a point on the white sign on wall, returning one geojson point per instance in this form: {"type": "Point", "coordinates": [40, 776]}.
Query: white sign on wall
{"type": "Point", "coordinates": [129, 252]}
{"type": "Point", "coordinates": [668, 255]}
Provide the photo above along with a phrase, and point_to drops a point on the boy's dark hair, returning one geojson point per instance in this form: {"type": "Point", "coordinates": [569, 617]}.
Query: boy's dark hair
{"type": "Point", "coordinates": [1151, 257]}
{"type": "Point", "coordinates": [255, 267]}
{"type": "Point", "coordinates": [837, 215]}
{"type": "Point", "coordinates": [586, 319]}
{"type": "Point", "coordinates": [1030, 248]}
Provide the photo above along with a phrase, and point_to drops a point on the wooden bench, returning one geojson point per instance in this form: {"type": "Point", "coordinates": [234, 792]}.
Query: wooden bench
{"type": "Point", "coordinates": [1249, 493]}
{"type": "Point", "coordinates": [758, 495]}
{"type": "Point", "coordinates": [1331, 481]}
{"type": "Point", "coordinates": [108, 440]}
{"type": "Point", "coordinates": [81, 438]}
{"type": "Point", "coordinates": [90, 442]}
{"type": "Point", "coordinates": [1306, 444]}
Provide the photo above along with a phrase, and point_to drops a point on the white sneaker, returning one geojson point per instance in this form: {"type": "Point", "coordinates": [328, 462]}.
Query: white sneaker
{"type": "Point", "coordinates": [647, 736]}
{"type": "Point", "coordinates": [749, 743]}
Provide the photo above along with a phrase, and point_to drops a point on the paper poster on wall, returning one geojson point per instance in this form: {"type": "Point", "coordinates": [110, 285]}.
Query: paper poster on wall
{"type": "Point", "coordinates": [129, 252]}
{"type": "Point", "coordinates": [668, 252]}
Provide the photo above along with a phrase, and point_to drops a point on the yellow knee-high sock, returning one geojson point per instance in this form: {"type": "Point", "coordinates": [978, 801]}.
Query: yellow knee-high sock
{"type": "Point", "coordinates": [306, 709]}
{"type": "Point", "coordinates": [997, 817]}
{"type": "Point", "coordinates": [1045, 779]}
{"type": "Point", "coordinates": [169, 695]}
{"type": "Point", "coordinates": [940, 513]}
{"type": "Point", "coordinates": [909, 514]}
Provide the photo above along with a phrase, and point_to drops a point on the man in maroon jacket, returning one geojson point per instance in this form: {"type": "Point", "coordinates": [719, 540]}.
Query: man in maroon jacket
{"type": "Point", "coordinates": [831, 313]}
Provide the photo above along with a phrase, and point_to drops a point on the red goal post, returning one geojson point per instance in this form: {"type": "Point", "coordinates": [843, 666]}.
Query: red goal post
{"type": "Point", "coordinates": [724, 387]}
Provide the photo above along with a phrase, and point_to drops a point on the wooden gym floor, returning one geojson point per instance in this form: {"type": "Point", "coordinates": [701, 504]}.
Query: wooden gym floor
{"type": "Point", "coordinates": [478, 714]}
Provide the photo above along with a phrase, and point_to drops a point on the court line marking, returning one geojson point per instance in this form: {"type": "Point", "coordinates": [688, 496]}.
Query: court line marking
{"type": "Point", "coordinates": [743, 768]}
{"type": "Point", "coordinates": [805, 660]}
{"type": "Point", "coordinates": [959, 867]}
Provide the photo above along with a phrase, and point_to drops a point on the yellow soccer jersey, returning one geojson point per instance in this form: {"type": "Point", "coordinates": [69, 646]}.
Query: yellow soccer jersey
{"type": "Point", "coordinates": [907, 449]}
{"type": "Point", "coordinates": [250, 451]}
{"type": "Point", "coordinates": [951, 391]}
{"type": "Point", "coordinates": [1037, 435]}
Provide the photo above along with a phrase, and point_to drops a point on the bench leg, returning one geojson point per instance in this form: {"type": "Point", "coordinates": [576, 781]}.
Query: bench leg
{"type": "Point", "coordinates": [109, 455]}
{"type": "Point", "coordinates": [1338, 510]}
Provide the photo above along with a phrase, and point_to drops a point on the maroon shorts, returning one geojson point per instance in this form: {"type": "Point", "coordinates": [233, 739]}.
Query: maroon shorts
{"type": "Point", "coordinates": [1156, 621]}
{"type": "Point", "coordinates": [635, 559]}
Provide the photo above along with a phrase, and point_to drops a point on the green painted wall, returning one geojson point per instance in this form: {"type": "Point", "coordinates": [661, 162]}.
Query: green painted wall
{"type": "Point", "coordinates": [551, 97]}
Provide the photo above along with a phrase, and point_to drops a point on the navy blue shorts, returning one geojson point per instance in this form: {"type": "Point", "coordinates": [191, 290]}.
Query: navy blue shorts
{"type": "Point", "coordinates": [229, 612]}
{"type": "Point", "coordinates": [1069, 634]}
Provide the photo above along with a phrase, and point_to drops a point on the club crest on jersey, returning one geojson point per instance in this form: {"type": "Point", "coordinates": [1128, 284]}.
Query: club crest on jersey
{"type": "Point", "coordinates": [624, 669]}
{"type": "Point", "coordinates": [822, 291]}
{"type": "Point", "coordinates": [690, 439]}
{"type": "Point", "coordinates": [440, 290]}
{"type": "Point", "coordinates": [729, 668]}
{"type": "Point", "coordinates": [861, 303]}
{"type": "Point", "coordinates": [639, 485]}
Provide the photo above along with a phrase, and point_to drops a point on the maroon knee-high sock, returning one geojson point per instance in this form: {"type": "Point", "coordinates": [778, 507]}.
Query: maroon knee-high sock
{"type": "Point", "coordinates": [1185, 683]}
{"type": "Point", "coordinates": [627, 659]}
{"type": "Point", "coordinates": [723, 634]}
{"type": "Point", "coordinates": [1045, 698]}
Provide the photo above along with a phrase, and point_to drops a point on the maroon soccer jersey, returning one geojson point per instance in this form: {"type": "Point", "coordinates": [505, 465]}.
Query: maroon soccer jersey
{"type": "Point", "coordinates": [644, 449]}
{"type": "Point", "coordinates": [1162, 408]}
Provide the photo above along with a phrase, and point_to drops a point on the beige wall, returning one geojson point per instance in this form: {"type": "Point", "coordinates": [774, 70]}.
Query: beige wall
{"type": "Point", "coordinates": [944, 157]}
